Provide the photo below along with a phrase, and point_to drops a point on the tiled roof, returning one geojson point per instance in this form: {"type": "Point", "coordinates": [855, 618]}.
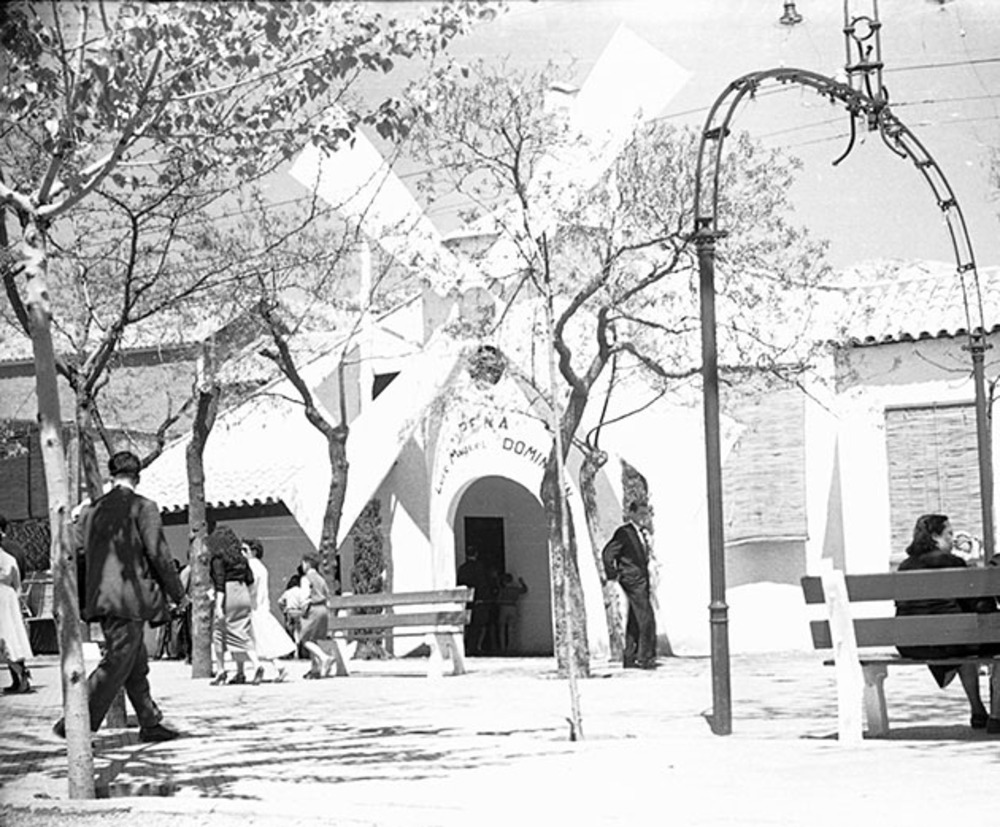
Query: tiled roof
{"type": "Point", "coordinates": [897, 301]}
{"type": "Point", "coordinates": [265, 450]}
{"type": "Point", "coordinates": [247, 458]}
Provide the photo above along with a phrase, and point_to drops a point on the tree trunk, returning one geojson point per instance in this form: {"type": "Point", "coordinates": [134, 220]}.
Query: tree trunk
{"type": "Point", "coordinates": [368, 574]}
{"type": "Point", "coordinates": [66, 605]}
{"type": "Point", "coordinates": [593, 461]}
{"type": "Point", "coordinates": [336, 439]}
{"type": "Point", "coordinates": [73, 464]}
{"type": "Point", "coordinates": [90, 468]}
{"type": "Point", "coordinates": [567, 591]}
{"type": "Point", "coordinates": [200, 587]}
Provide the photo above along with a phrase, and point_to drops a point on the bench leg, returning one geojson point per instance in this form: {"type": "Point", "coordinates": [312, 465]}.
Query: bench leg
{"type": "Point", "coordinates": [338, 656]}
{"type": "Point", "coordinates": [450, 640]}
{"type": "Point", "coordinates": [874, 699]}
{"type": "Point", "coordinates": [444, 645]}
{"type": "Point", "coordinates": [435, 662]}
{"type": "Point", "coordinates": [994, 690]}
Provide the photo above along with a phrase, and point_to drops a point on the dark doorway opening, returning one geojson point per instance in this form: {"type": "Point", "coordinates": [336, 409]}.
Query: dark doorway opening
{"type": "Point", "coordinates": [483, 541]}
{"type": "Point", "coordinates": [485, 535]}
{"type": "Point", "coordinates": [506, 524]}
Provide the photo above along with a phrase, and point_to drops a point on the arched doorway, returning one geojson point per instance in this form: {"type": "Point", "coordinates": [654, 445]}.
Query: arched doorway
{"type": "Point", "coordinates": [506, 524]}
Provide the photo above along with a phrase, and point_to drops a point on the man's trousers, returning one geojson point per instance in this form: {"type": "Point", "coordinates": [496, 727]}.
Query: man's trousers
{"type": "Point", "coordinates": [640, 628]}
{"type": "Point", "coordinates": [125, 665]}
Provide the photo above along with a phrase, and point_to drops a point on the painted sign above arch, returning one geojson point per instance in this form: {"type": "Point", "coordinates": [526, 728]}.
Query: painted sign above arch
{"type": "Point", "coordinates": [488, 430]}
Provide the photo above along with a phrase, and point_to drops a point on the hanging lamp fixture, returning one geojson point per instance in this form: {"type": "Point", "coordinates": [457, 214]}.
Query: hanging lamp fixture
{"type": "Point", "coordinates": [791, 15]}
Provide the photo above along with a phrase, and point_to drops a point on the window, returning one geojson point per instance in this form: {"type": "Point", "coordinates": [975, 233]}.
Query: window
{"type": "Point", "coordinates": [764, 478]}
{"type": "Point", "coordinates": [382, 381]}
{"type": "Point", "coordinates": [933, 468]}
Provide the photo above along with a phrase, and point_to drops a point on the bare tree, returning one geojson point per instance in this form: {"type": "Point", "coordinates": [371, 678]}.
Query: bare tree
{"type": "Point", "coordinates": [615, 261]}
{"type": "Point", "coordinates": [113, 95]}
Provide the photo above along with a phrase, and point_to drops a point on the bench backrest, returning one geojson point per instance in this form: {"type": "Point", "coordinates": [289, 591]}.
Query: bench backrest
{"type": "Point", "coordinates": [440, 609]}
{"type": "Point", "coordinates": [463, 594]}
{"type": "Point", "coordinates": [913, 630]}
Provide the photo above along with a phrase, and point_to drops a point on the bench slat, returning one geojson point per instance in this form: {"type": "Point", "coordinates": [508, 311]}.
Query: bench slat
{"type": "Point", "coordinates": [381, 600]}
{"type": "Point", "coordinates": [899, 660]}
{"type": "Point", "coordinates": [915, 630]}
{"type": "Point", "coordinates": [438, 619]}
{"type": "Point", "coordinates": [912, 585]}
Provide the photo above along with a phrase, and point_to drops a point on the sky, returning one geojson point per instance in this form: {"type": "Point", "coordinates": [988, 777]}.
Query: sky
{"type": "Point", "coordinates": [942, 71]}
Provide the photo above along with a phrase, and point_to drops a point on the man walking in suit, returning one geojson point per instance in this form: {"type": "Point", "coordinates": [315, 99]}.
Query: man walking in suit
{"type": "Point", "coordinates": [129, 574]}
{"type": "Point", "coordinates": [626, 559]}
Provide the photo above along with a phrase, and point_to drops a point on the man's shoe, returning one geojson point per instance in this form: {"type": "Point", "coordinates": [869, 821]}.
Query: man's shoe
{"type": "Point", "coordinates": [155, 734]}
{"type": "Point", "coordinates": [239, 677]}
{"type": "Point", "coordinates": [648, 664]}
{"type": "Point", "coordinates": [59, 728]}
{"type": "Point", "coordinates": [630, 664]}
{"type": "Point", "coordinates": [993, 725]}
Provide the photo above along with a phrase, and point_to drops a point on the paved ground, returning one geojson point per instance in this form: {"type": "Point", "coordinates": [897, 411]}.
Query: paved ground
{"type": "Point", "coordinates": [391, 747]}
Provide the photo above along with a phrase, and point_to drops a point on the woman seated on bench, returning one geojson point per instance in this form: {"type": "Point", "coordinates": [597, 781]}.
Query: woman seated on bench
{"type": "Point", "coordinates": [931, 549]}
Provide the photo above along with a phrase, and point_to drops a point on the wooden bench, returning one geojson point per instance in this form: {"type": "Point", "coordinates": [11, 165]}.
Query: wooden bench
{"type": "Point", "coordinates": [37, 591]}
{"type": "Point", "coordinates": [864, 647]}
{"type": "Point", "coordinates": [440, 616]}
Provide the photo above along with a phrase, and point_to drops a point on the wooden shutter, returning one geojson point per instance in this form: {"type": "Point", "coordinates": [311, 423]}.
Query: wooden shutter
{"type": "Point", "coordinates": [764, 479]}
{"type": "Point", "coordinates": [933, 468]}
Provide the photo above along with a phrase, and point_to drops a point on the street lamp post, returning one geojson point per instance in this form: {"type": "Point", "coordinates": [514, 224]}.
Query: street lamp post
{"type": "Point", "coordinates": [722, 719]}
{"type": "Point", "coordinates": [864, 98]}
{"type": "Point", "coordinates": [977, 347]}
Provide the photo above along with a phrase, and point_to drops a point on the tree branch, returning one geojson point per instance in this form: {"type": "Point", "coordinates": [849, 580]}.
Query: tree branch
{"type": "Point", "coordinates": [161, 432]}
{"type": "Point", "coordinates": [286, 364]}
{"type": "Point", "coordinates": [103, 167]}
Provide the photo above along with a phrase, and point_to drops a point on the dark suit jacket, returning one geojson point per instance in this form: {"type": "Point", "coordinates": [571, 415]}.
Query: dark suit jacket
{"type": "Point", "coordinates": [625, 556]}
{"type": "Point", "coordinates": [129, 567]}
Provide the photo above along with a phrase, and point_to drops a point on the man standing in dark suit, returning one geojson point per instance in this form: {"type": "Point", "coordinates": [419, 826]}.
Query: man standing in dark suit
{"type": "Point", "coordinates": [129, 573]}
{"type": "Point", "coordinates": [626, 559]}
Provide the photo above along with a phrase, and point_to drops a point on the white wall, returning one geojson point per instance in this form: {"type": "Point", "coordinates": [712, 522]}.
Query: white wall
{"type": "Point", "coordinates": [873, 378]}
{"type": "Point", "coordinates": [492, 432]}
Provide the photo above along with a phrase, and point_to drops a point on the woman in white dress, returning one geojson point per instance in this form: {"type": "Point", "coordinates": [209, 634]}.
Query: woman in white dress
{"type": "Point", "coordinates": [15, 648]}
{"type": "Point", "coordinates": [270, 639]}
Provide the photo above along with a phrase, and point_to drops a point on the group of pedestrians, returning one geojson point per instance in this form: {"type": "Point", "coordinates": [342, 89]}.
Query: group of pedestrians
{"type": "Point", "coordinates": [305, 603]}
{"type": "Point", "coordinates": [129, 580]}
{"type": "Point", "coordinates": [242, 624]}
{"type": "Point", "coordinates": [493, 613]}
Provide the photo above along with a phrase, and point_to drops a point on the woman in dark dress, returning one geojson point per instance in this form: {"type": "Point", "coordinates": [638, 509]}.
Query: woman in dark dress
{"type": "Point", "coordinates": [231, 581]}
{"type": "Point", "coordinates": [931, 549]}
